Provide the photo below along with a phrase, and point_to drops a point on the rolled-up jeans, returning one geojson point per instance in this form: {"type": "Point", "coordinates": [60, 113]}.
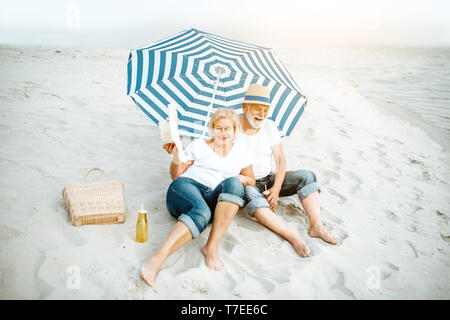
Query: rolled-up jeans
{"type": "Point", "coordinates": [300, 182]}
{"type": "Point", "coordinates": [193, 203]}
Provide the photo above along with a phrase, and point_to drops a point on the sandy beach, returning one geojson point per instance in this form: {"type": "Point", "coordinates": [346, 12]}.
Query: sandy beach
{"type": "Point", "coordinates": [385, 194]}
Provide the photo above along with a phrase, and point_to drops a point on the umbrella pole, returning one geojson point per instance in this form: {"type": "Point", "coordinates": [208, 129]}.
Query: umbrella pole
{"type": "Point", "coordinates": [210, 107]}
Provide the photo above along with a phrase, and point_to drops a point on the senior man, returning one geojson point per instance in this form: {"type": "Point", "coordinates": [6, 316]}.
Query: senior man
{"type": "Point", "coordinates": [264, 141]}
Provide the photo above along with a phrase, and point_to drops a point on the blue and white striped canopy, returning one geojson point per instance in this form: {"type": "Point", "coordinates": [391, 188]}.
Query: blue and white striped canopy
{"type": "Point", "coordinates": [200, 72]}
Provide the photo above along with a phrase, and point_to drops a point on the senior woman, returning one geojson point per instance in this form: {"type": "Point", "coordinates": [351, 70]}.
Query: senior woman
{"type": "Point", "coordinates": [207, 188]}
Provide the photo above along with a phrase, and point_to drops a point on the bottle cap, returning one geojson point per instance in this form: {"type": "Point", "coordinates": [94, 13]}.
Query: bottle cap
{"type": "Point", "coordinates": [142, 209]}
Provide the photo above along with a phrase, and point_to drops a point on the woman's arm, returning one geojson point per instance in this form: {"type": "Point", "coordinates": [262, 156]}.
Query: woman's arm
{"type": "Point", "coordinates": [247, 176]}
{"type": "Point", "coordinates": [177, 168]}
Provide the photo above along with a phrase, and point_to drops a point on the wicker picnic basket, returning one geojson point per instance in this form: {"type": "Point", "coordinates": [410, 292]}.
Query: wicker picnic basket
{"type": "Point", "coordinates": [95, 202]}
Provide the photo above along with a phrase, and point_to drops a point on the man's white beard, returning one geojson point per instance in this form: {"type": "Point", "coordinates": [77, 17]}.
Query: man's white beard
{"type": "Point", "coordinates": [252, 122]}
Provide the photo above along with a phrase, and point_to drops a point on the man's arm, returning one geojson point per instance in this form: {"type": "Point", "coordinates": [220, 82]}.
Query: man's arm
{"type": "Point", "coordinates": [280, 173]}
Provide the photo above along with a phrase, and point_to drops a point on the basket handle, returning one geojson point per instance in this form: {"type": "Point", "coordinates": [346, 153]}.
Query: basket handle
{"type": "Point", "coordinates": [92, 169]}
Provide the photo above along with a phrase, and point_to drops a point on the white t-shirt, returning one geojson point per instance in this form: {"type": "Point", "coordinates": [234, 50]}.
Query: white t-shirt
{"type": "Point", "coordinates": [209, 168]}
{"type": "Point", "coordinates": [260, 145]}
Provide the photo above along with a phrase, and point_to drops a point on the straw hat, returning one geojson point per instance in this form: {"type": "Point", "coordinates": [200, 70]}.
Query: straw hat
{"type": "Point", "coordinates": [257, 93]}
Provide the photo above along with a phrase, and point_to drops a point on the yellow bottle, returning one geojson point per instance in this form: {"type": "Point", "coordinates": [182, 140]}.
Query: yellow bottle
{"type": "Point", "coordinates": [142, 226]}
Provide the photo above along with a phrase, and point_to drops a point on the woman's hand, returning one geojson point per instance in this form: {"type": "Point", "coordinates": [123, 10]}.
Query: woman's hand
{"type": "Point", "coordinates": [169, 147]}
{"type": "Point", "coordinates": [244, 179]}
{"type": "Point", "coordinates": [173, 150]}
{"type": "Point", "coordinates": [247, 177]}
{"type": "Point", "coordinates": [175, 156]}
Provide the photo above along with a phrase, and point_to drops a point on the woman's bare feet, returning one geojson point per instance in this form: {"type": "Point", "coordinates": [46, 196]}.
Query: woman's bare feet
{"type": "Point", "coordinates": [319, 231]}
{"type": "Point", "coordinates": [300, 247]}
{"type": "Point", "coordinates": [212, 259]}
{"type": "Point", "coordinates": [150, 270]}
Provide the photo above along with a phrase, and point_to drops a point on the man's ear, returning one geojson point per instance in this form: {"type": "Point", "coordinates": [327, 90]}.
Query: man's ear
{"type": "Point", "coordinates": [244, 107]}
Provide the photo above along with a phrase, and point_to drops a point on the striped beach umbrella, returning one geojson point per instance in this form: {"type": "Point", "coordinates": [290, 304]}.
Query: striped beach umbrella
{"type": "Point", "coordinates": [200, 72]}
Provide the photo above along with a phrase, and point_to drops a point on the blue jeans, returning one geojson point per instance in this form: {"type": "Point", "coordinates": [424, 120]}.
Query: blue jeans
{"type": "Point", "coordinates": [300, 182]}
{"type": "Point", "coordinates": [193, 203]}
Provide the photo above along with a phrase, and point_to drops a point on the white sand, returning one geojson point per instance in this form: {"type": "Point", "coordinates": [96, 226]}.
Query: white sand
{"type": "Point", "coordinates": [385, 195]}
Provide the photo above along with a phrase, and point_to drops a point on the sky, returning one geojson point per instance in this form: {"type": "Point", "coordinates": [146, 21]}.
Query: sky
{"type": "Point", "coordinates": [134, 23]}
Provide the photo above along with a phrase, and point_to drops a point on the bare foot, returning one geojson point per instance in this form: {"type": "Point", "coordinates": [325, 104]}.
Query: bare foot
{"type": "Point", "coordinates": [150, 270]}
{"type": "Point", "coordinates": [300, 247]}
{"type": "Point", "coordinates": [212, 259]}
{"type": "Point", "coordinates": [319, 231]}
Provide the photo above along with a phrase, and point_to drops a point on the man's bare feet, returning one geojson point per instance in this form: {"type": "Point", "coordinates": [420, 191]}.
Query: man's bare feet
{"type": "Point", "coordinates": [319, 231]}
{"type": "Point", "coordinates": [150, 270]}
{"type": "Point", "coordinates": [212, 259]}
{"type": "Point", "coordinates": [300, 247]}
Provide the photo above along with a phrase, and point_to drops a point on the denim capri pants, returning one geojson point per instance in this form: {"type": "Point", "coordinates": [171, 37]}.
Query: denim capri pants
{"type": "Point", "coordinates": [194, 203]}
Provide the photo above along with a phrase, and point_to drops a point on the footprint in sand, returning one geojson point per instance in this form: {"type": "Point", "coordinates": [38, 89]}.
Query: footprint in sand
{"type": "Point", "coordinates": [293, 213]}
{"type": "Point", "coordinates": [410, 209]}
{"type": "Point", "coordinates": [252, 280]}
{"type": "Point", "coordinates": [249, 223]}
{"type": "Point", "coordinates": [418, 194]}
{"type": "Point", "coordinates": [443, 219]}
{"type": "Point", "coordinates": [344, 133]}
{"type": "Point", "coordinates": [340, 198]}
{"type": "Point", "coordinates": [426, 176]}
{"type": "Point", "coordinates": [279, 275]}
{"type": "Point", "coordinates": [383, 240]}
{"type": "Point", "coordinates": [378, 146]}
{"type": "Point", "coordinates": [412, 228]}
{"type": "Point", "coordinates": [360, 155]}
{"type": "Point", "coordinates": [308, 158]}
{"type": "Point", "coordinates": [417, 162]}
{"type": "Point", "coordinates": [410, 249]}
{"type": "Point", "coordinates": [387, 270]}
{"type": "Point", "coordinates": [390, 140]}
{"type": "Point", "coordinates": [74, 235]}
{"type": "Point", "coordinates": [355, 179]}
{"type": "Point", "coordinates": [229, 242]}
{"type": "Point", "coordinates": [330, 175]}
{"type": "Point", "coordinates": [340, 285]}
{"type": "Point", "coordinates": [334, 109]}
{"type": "Point", "coordinates": [310, 132]}
{"type": "Point", "coordinates": [338, 233]}
{"type": "Point", "coordinates": [391, 215]}
{"type": "Point", "coordinates": [267, 286]}
{"type": "Point", "coordinates": [315, 246]}
{"type": "Point", "coordinates": [330, 216]}
{"type": "Point", "coordinates": [195, 284]}
{"type": "Point", "coordinates": [445, 238]}
{"type": "Point", "coordinates": [390, 180]}
{"type": "Point", "coordinates": [380, 153]}
{"type": "Point", "coordinates": [385, 164]}
{"type": "Point", "coordinates": [336, 158]}
{"type": "Point", "coordinates": [7, 233]}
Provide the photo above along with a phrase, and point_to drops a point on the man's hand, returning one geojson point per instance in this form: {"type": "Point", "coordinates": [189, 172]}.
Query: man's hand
{"type": "Point", "coordinates": [272, 198]}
